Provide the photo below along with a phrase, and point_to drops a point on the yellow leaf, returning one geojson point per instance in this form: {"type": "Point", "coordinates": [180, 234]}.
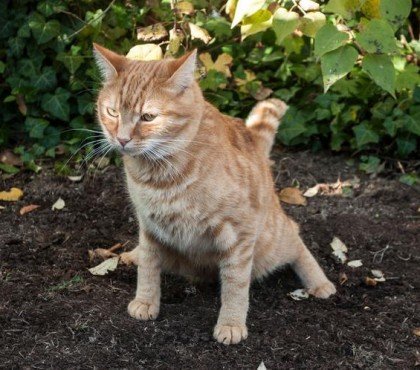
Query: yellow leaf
{"type": "Point", "coordinates": [292, 196]}
{"type": "Point", "coordinates": [199, 33]}
{"type": "Point", "coordinates": [154, 32]}
{"type": "Point", "coordinates": [257, 22]}
{"type": "Point", "coordinates": [221, 64]}
{"type": "Point", "coordinates": [145, 52]}
{"type": "Point", "coordinates": [371, 9]}
{"type": "Point", "coordinates": [245, 8]}
{"type": "Point", "coordinates": [241, 83]}
{"type": "Point", "coordinates": [12, 195]}
{"type": "Point", "coordinates": [184, 7]}
{"type": "Point", "coordinates": [175, 41]}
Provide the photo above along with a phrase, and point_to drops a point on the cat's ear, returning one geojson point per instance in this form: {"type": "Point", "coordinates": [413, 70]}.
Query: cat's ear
{"type": "Point", "coordinates": [108, 62]}
{"type": "Point", "coordinates": [182, 70]}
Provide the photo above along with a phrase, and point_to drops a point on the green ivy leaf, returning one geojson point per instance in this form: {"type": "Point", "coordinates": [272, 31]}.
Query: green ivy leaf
{"type": "Point", "coordinates": [412, 123]}
{"type": "Point", "coordinates": [381, 70]}
{"type": "Point", "coordinates": [293, 125]}
{"type": "Point", "coordinates": [36, 127]}
{"type": "Point", "coordinates": [408, 79]}
{"type": "Point", "coordinates": [377, 37]}
{"type": "Point", "coordinates": [371, 164]}
{"type": "Point", "coordinates": [329, 38]}
{"type": "Point", "coordinates": [44, 31]}
{"type": "Point", "coordinates": [16, 46]}
{"type": "Point", "coordinates": [56, 104]}
{"type": "Point", "coordinates": [365, 135]}
{"type": "Point", "coordinates": [336, 64]}
{"type": "Point", "coordinates": [284, 23]}
{"type": "Point", "coordinates": [395, 12]}
{"type": "Point", "coordinates": [8, 168]}
{"type": "Point", "coordinates": [406, 145]}
{"type": "Point", "coordinates": [46, 80]}
{"type": "Point", "coordinates": [71, 62]}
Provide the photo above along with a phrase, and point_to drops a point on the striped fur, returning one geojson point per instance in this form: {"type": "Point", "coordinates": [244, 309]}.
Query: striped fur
{"type": "Point", "coordinates": [202, 189]}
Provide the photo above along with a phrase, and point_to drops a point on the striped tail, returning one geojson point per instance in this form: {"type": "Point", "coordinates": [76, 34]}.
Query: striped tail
{"type": "Point", "coordinates": [264, 120]}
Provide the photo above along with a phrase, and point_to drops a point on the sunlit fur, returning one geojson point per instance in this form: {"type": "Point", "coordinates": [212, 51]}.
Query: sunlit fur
{"type": "Point", "coordinates": [202, 188]}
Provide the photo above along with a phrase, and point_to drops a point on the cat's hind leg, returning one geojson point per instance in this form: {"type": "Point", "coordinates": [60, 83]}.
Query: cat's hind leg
{"type": "Point", "coordinates": [264, 120]}
{"type": "Point", "coordinates": [311, 274]}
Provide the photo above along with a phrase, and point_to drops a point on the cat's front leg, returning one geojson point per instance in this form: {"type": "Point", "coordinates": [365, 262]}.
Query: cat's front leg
{"type": "Point", "coordinates": [235, 276]}
{"type": "Point", "coordinates": [145, 306]}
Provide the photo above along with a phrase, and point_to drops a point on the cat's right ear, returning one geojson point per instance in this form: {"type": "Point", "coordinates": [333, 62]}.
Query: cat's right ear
{"type": "Point", "coordinates": [108, 62]}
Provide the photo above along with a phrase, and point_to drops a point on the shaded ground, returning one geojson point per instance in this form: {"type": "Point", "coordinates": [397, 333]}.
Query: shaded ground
{"type": "Point", "coordinates": [55, 314]}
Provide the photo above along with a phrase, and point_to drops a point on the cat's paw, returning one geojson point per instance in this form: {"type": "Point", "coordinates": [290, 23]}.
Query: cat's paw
{"type": "Point", "coordinates": [129, 258]}
{"type": "Point", "coordinates": [324, 290]}
{"type": "Point", "coordinates": [230, 334]}
{"type": "Point", "coordinates": [141, 310]}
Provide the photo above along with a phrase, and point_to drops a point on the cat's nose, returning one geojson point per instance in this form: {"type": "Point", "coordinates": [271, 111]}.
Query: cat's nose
{"type": "Point", "coordinates": [123, 142]}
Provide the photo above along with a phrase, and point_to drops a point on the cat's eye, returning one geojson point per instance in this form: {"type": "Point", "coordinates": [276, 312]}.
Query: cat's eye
{"type": "Point", "coordinates": [112, 112]}
{"type": "Point", "coordinates": [147, 117]}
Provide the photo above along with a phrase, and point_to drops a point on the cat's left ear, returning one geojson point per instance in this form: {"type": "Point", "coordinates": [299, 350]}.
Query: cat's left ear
{"type": "Point", "coordinates": [109, 63]}
{"type": "Point", "coordinates": [183, 72]}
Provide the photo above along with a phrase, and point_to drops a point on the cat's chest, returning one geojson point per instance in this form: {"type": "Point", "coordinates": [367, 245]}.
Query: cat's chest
{"type": "Point", "coordinates": [177, 220]}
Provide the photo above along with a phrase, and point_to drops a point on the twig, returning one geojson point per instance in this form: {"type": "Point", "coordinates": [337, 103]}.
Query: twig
{"type": "Point", "coordinates": [93, 20]}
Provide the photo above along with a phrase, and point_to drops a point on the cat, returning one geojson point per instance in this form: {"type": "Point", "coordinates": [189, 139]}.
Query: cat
{"type": "Point", "coordinates": [201, 185]}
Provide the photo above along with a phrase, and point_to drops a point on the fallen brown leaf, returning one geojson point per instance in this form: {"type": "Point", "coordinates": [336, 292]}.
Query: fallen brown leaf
{"type": "Point", "coordinates": [8, 157]}
{"type": "Point", "coordinates": [12, 195]}
{"type": "Point", "coordinates": [370, 282]}
{"type": "Point", "coordinates": [28, 208]}
{"type": "Point", "coordinates": [292, 196]}
{"type": "Point", "coordinates": [342, 278]}
{"type": "Point", "coordinates": [416, 332]}
{"type": "Point", "coordinates": [335, 188]}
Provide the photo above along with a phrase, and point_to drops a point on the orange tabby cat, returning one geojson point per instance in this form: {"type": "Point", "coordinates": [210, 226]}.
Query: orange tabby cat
{"type": "Point", "coordinates": [201, 185]}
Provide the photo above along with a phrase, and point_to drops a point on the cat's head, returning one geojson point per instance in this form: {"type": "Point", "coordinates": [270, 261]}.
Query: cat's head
{"type": "Point", "coordinates": [147, 108]}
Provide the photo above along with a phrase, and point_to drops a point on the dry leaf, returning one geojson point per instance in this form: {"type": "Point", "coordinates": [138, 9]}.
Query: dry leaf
{"type": "Point", "coordinates": [416, 332]}
{"type": "Point", "coordinates": [75, 178]}
{"type": "Point", "coordinates": [262, 93]}
{"type": "Point", "coordinates": [1, 207]}
{"type": "Point", "coordinates": [261, 366]}
{"type": "Point", "coordinates": [230, 8]}
{"type": "Point", "coordinates": [199, 33]}
{"type": "Point", "coordinates": [342, 278]}
{"type": "Point", "coordinates": [378, 275]}
{"type": "Point", "coordinates": [20, 100]}
{"type": "Point", "coordinates": [221, 64]}
{"type": "Point", "coordinates": [154, 32]}
{"type": "Point", "coordinates": [292, 196]}
{"type": "Point", "coordinates": [311, 192]}
{"type": "Point", "coordinates": [59, 204]}
{"type": "Point", "coordinates": [335, 188]}
{"type": "Point", "coordinates": [27, 209]}
{"type": "Point", "coordinates": [370, 282]}
{"type": "Point", "coordinates": [12, 195]}
{"type": "Point", "coordinates": [104, 267]}
{"type": "Point", "coordinates": [339, 249]}
{"type": "Point", "coordinates": [298, 294]}
{"type": "Point", "coordinates": [355, 263]}
{"type": "Point", "coordinates": [145, 52]}
{"type": "Point", "coordinates": [8, 157]}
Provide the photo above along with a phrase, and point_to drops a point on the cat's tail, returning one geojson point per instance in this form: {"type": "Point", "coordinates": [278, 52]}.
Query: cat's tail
{"type": "Point", "coordinates": [264, 120]}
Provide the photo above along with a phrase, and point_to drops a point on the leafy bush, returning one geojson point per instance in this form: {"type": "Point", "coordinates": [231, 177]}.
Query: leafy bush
{"type": "Point", "coordinates": [350, 83]}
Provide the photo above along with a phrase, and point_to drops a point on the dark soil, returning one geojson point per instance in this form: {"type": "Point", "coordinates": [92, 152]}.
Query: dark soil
{"type": "Point", "coordinates": [55, 314]}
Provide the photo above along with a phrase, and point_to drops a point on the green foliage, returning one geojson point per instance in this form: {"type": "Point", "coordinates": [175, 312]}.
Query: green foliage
{"type": "Point", "coordinates": [348, 69]}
